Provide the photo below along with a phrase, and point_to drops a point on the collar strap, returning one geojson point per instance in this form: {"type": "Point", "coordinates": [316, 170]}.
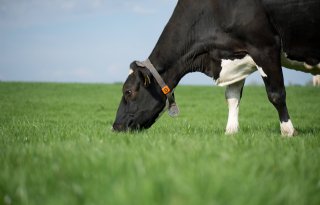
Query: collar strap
{"type": "Point", "coordinates": [173, 108]}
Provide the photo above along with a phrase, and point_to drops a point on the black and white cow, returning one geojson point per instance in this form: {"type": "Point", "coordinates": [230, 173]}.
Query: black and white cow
{"type": "Point", "coordinates": [226, 40]}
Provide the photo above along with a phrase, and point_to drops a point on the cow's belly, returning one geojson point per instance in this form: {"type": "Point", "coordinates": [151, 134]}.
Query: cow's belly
{"type": "Point", "coordinates": [235, 70]}
{"type": "Point", "coordinates": [238, 69]}
{"type": "Point", "coordinates": [298, 65]}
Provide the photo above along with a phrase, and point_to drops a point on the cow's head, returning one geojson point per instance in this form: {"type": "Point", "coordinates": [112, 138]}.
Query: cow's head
{"type": "Point", "coordinates": [142, 100]}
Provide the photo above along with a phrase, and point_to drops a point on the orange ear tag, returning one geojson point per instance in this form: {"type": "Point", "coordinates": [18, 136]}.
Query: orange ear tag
{"type": "Point", "coordinates": [166, 90]}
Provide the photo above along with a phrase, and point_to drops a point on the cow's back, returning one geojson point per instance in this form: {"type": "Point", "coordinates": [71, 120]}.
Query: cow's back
{"type": "Point", "coordinates": [298, 24]}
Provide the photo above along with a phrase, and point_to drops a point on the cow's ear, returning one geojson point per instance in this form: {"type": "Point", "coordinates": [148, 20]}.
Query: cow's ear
{"type": "Point", "coordinates": [142, 71]}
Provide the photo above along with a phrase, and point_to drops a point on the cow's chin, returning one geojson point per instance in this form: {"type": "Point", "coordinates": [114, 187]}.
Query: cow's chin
{"type": "Point", "coordinates": [130, 127]}
{"type": "Point", "coordinates": [146, 123]}
{"type": "Point", "coordinates": [136, 124]}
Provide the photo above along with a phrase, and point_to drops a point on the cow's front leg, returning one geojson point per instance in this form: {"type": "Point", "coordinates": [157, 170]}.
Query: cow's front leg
{"type": "Point", "coordinates": [233, 96]}
{"type": "Point", "coordinates": [268, 60]}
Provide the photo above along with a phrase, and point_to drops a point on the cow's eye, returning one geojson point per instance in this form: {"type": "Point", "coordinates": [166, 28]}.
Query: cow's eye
{"type": "Point", "coordinates": [128, 93]}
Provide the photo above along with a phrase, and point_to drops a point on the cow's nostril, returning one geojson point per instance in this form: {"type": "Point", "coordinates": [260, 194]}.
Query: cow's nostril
{"type": "Point", "coordinates": [117, 127]}
{"type": "Point", "coordinates": [130, 123]}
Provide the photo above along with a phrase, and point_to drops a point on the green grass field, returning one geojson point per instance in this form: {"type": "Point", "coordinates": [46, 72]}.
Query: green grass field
{"type": "Point", "coordinates": [57, 147]}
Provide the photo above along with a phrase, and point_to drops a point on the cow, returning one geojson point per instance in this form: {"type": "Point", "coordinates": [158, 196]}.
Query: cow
{"type": "Point", "coordinates": [226, 40]}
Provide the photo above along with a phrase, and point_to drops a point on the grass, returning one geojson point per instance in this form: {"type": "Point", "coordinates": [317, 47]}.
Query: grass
{"type": "Point", "coordinates": [56, 147]}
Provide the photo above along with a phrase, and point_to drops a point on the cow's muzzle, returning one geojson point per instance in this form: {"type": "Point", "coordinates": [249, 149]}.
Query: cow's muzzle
{"type": "Point", "coordinates": [126, 127]}
{"type": "Point", "coordinates": [117, 127]}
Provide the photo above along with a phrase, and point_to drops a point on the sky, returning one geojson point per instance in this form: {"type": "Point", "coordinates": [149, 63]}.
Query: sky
{"type": "Point", "coordinates": [87, 40]}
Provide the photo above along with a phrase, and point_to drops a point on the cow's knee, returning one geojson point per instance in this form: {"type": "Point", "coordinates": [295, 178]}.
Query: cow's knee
{"type": "Point", "coordinates": [277, 98]}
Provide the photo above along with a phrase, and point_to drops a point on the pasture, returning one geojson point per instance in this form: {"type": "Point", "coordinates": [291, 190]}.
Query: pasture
{"type": "Point", "coordinates": [57, 147]}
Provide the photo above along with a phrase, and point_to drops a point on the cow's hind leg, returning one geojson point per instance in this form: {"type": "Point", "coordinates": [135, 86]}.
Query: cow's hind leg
{"type": "Point", "coordinates": [233, 96]}
{"type": "Point", "coordinates": [269, 61]}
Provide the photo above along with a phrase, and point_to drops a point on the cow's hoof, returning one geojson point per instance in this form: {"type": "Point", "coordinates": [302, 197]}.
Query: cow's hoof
{"type": "Point", "coordinates": [231, 130]}
{"type": "Point", "coordinates": [287, 129]}
{"type": "Point", "coordinates": [290, 134]}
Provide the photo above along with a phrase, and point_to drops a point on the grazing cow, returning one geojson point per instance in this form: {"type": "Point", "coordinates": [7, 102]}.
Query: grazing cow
{"type": "Point", "coordinates": [226, 40]}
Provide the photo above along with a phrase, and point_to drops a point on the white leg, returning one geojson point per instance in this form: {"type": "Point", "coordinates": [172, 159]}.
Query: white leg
{"type": "Point", "coordinates": [316, 80]}
{"type": "Point", "coordinates": [233, 123]}
{"type": "Point", "coordinates": [233, 96]}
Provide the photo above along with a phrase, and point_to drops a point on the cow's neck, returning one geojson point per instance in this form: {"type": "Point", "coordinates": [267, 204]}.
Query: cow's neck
{"type": "Point", "coordinates": [173, 73]}
{"type": "Point", "coordinates": [177, 50]}
{"type": "Point", "coordinates": [170, 74]}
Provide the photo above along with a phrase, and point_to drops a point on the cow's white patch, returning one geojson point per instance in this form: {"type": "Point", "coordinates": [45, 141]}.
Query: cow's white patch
{"type": "Point", "coordinates": [236, 70]}
{"type": "Point", "coordinates": [130, 71]}
{"type": "Point", "coordinates": [287, 129]}
{"type": "Point", "coordinates": [307, 66]}
{"type": "Point", "coordinates": [262, 73]}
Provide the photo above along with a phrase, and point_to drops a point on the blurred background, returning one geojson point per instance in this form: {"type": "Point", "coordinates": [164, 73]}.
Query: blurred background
{"type": "Point", "coordinates": [87, 40]}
